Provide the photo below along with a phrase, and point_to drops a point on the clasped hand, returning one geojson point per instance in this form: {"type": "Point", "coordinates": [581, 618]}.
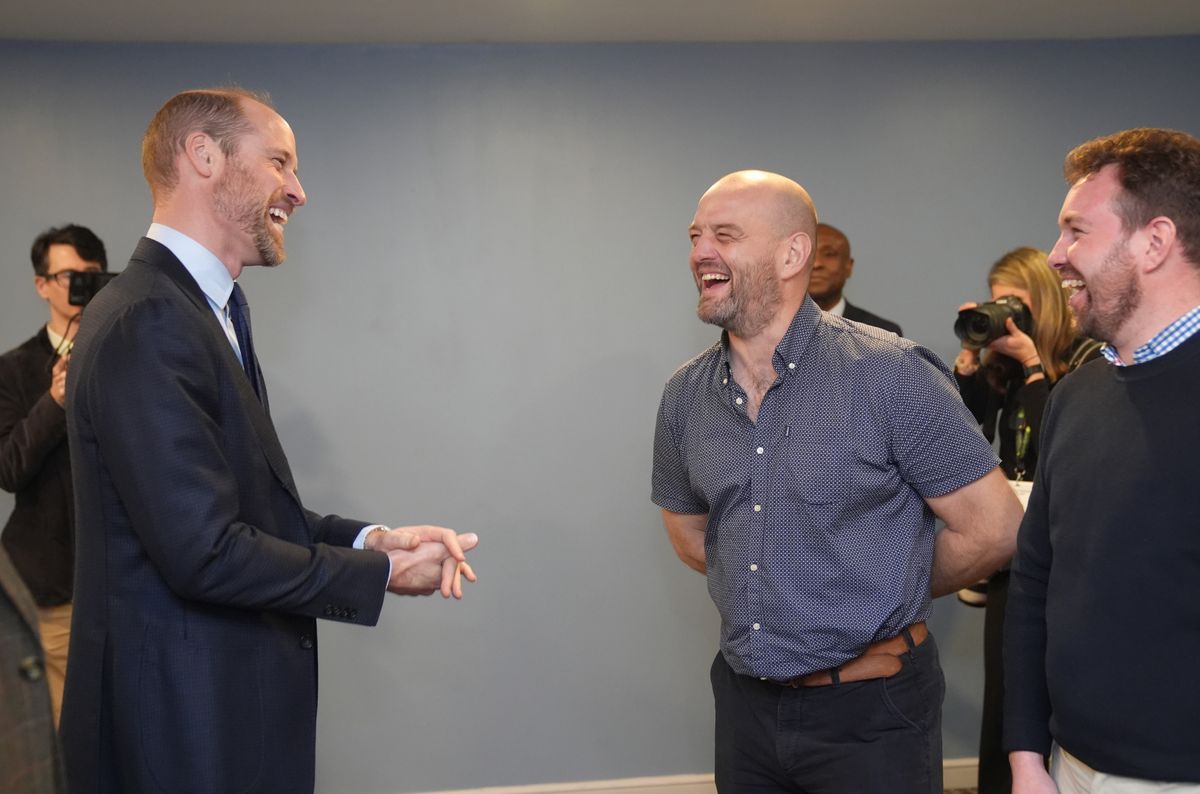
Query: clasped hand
{"type": "Point", "coordinates": [58, 380]}
{"type": "Point", "coordinates": [425, 559]}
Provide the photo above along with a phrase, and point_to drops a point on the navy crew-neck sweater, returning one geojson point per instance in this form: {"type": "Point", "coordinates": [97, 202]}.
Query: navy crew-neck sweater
{"type": "Point", "coordinates": [1102, 643]}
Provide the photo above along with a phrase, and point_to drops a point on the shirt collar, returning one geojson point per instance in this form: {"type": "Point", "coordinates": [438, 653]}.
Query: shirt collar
{"type": "Point", "coordinates": [1161, 343]}
{"type": "Point", "coordinates": [208, 271]}
{"type": "Point", "coordinates": [57, 341]}
{"type": "Point", "coordinates": [790, 348]}
{"type": "Point", "coordinates": [839, 308]}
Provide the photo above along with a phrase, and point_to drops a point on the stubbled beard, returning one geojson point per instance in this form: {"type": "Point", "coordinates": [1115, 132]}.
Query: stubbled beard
{"type": "Point", "coordinates": [750, 305]}
{"type": "Point", "coordinates": [1113, 295]}
{"type": "Point", "coordinates": [234, 201]}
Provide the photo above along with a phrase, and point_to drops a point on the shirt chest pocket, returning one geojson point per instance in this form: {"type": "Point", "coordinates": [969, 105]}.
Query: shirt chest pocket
{"type": "Point", "coordinates": [815, 468]}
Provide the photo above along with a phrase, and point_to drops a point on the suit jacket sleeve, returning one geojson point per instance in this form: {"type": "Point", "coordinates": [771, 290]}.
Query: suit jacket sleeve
{"type": "Point", "coordinates": [158, 393]}
{"type": "Point", "coordinates": [27, 435]}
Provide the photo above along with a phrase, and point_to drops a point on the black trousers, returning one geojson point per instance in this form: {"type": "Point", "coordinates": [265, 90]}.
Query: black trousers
{"type": "Point", "coordinates": [869, 737]}
{"type": "Point", "coordinates": [995, 777]}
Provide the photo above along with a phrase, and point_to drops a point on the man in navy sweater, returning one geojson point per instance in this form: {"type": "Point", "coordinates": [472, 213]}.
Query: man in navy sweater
{"type": "Point", "coordinates": [1102, 641]}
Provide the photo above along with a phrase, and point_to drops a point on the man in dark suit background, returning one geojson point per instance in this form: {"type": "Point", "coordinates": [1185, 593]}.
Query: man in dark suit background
{"type": "Point", "coordinates": [35, 464]}
{"type": "Point", "coordinates": [30, 762]}
{"type": "Point", "coordinates": [199, 573]}
{"type": "Point", "coordinates": [832, 267]}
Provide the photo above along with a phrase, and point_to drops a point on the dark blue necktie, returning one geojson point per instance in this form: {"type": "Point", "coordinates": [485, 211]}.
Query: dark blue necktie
{"type": "Point", "coordinates": [239, 313]}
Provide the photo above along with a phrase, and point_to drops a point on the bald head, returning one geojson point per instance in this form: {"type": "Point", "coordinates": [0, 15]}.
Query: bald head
{"type": "Point", "coordinates": [780, 202]}
{"type": "Point", "coordinates": [752, 243]}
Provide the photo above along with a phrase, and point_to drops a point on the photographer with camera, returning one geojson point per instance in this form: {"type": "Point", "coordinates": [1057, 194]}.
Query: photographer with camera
{"type": "Point", "coordinates": [34, 462]}
{"type": "Point", "coordinates": [1028, 340]}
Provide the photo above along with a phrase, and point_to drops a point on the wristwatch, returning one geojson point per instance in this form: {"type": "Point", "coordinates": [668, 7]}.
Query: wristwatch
{"type": "Point", "coordinates": [1035, 369]}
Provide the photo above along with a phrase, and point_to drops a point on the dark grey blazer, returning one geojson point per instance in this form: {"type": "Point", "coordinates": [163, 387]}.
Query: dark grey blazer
{"type": "Point", "coordinates": [29, 757]}
{"type": "Point", "coordinates": [35, 465]}
{"type": "Point", "coordinates": [193, 662]}
{"type": "Point", "coordinates": [863, 316]}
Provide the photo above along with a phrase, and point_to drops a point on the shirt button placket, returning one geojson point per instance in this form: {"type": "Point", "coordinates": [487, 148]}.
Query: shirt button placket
{"type": "Point", "coordinates": [760, 481]}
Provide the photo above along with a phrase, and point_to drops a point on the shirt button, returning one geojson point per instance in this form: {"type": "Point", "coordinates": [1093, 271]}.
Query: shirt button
{"type": "Point", "coordinates": [758, 508]}
{"type": "Point", "coordinates": [738, 401]}
{"type": "Point", "coordinates": [31, 668]}
{"type": "Point", "coordinates": [724, 380]}
{"type": "Point", "coordinates": [754, 566]}
{"type": "Point", "coordinates": [791, 365]}
{"type": "Point", "coordinates": [760, 450]}
{"type": "Point", "coordinates": [757, 627]}
{"type": "Point", "coordinates": [306, 642]}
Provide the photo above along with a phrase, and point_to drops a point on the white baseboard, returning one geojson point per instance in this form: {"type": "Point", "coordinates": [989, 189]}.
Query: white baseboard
{"type": "Point", "coordinates": [958, 773]}
{"type": "Point", "coordinates": [672, 784]}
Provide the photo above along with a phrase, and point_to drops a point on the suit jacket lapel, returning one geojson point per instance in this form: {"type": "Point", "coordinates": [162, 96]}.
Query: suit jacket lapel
{"type": "Point", "coordinates": [159, 257]}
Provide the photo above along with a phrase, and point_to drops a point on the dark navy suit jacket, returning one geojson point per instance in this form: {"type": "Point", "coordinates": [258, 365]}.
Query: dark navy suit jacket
{"type": "Point", "coordinates": [863, 316]}
{"type": "Point", "coordinates": [198, 571]}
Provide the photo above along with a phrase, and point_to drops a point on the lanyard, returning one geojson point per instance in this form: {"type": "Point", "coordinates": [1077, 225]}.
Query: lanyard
{"type": "Point", "coordinates": [1024, 431]}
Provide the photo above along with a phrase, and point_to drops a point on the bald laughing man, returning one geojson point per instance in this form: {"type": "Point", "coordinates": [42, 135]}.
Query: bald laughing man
{"type": "Point", "coordinates": [800, 463]}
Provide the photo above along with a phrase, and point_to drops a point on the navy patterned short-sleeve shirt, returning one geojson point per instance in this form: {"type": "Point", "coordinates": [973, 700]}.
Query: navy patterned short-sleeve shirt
{"type": "Point", "coordinates": [818, 539]}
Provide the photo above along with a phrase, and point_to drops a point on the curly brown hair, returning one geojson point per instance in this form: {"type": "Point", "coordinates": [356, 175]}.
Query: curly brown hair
{"type": "Point", "coordinates": [1159, 171]}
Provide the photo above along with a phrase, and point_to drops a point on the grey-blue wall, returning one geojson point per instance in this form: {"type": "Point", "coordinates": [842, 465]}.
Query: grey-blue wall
{"type": "Point", "coordinates": [489, 287]}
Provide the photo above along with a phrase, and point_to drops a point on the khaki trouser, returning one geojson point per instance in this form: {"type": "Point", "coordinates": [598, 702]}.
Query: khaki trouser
{"type": "Point", "coordinates": [54, 623]}
{"type": "Point", "coordinates": [1072, 776]}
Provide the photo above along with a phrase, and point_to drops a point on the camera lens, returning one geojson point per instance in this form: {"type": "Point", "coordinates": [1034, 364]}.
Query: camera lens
{"type": "Point", "coordinates": [986, 322]}
{"type": "Point", "coordinates": [978, 328]}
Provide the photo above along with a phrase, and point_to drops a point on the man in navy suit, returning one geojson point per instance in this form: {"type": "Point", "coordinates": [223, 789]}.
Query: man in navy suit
{"type": "Point", "coordinates": [199, 572]}
{"type": "Point", "coordinates": [832, 267]}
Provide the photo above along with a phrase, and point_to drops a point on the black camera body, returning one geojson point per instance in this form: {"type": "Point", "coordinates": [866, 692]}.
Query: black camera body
{"type": "Point", "coordinates": [985, 323]}
{"type": "Point", "coordinates": [85, 285]}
